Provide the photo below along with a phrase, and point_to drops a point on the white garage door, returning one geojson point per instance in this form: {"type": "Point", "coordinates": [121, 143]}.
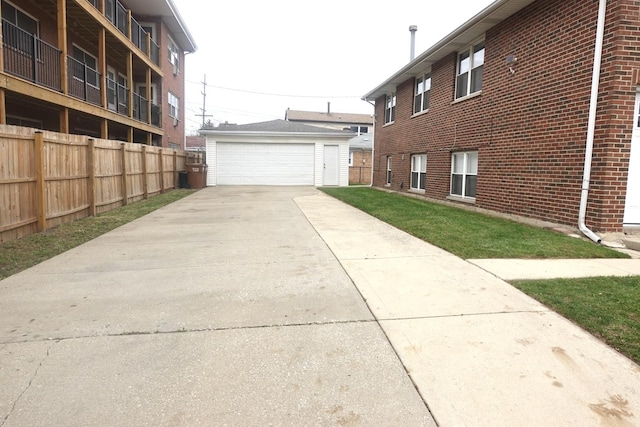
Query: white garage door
{"type": "Point", "coordinates": [264, 164]}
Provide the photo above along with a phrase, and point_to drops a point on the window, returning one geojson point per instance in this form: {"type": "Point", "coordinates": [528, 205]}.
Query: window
{"type": "Point", "coordinates": [422, 93]}
{"type": "Point", "coordinates": [351, 158]}
{"type": "Point", "coordinates": [174, 106]}
{"type": "Point", "coordinates": [464, 174]}
{"type": "Point", "coordinates": [359, 129]}
{"type": "Point", "coordinates": [388, 170]}
{"type": "Point", "coordinates": [174, 57]}
{"type": "Point", "coordinates": [21, 32]}
{"type": "Point", "coordinates": [469, 76]}
{"type": "Point", "coordinates": [390, 108]}
{"type": "Point", "coordinates": [85, 65]}
{"type": "Point", "coordinates": [418, 171]}
{"type": "Point", "coordinates": [18, 18]}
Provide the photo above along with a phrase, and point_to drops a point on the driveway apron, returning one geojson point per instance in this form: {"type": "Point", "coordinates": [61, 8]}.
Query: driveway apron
{"type": "Point", "coordinates": [224, 308]}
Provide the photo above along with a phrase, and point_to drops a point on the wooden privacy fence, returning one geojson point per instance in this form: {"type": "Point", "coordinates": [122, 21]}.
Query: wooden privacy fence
{"type": "Point", "coordinates": [48, 178]}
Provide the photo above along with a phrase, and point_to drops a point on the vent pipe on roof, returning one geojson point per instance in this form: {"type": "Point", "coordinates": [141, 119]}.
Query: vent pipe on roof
{"type": "Point", "coordinates": [413, 29]}
{"type": "Point", "coordinates": [328, 108]}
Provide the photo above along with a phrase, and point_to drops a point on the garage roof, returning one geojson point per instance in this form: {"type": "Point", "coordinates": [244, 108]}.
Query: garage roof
{"type": "Point", "coordinates": [273, 127]}
{"type": "Point", "coordinates": [313, 116]}
{"type": "Point", "coordinates": [464, 35]}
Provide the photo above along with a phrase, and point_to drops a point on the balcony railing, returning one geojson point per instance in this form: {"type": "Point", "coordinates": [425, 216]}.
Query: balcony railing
{"type": "Point", "coordinates": [155, 53]}
{"type": "Point", "coordinates": [156, 115]}
{"type": "Point", "coordinates": [84, 81]}
{"type": "Point", "coordinates": [117, 97]}
{"type": "Point", "coordinates": [28, 57]}
{"type": "Point", "coordinates": [139, 36]}
{"type": "Point", "coordinates": [117, 14]}
{"type": "Point", "coordinates": [140, 110]}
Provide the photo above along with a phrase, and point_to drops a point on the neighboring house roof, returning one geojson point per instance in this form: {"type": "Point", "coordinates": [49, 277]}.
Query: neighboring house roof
{"type": "Point", "coordinates": [273, 127]}
{"type": "Point", "coordinates": [195, 142]}
{"type": "Point", "coordinates": [313, 116]}
{"type": "Point", "coordinates": [170, 15]}
{"type": "Point", "coordinates": [463, 36]}
{"type": "Point", "coordinates": [361, 142]}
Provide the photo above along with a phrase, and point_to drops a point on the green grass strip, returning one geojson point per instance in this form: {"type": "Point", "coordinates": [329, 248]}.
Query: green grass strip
{"type": "Point", "coordinates": [605, 306]}
{"type": "Point", "coordinates": [465, 233]}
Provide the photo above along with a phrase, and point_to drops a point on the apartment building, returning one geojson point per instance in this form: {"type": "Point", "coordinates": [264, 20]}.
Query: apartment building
{"type": "Point", "coordinates": [102, 68]}
{"type": "Point", "coordinates": [530, 108]}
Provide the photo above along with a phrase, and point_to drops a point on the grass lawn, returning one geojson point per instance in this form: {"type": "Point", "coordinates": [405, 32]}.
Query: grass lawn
{"type": "Point", "coordinates": [608, 307]}
{"type": "Point", "coordinates": [468, 234]}
{"type": "Point", "coordinates": [18, 255]}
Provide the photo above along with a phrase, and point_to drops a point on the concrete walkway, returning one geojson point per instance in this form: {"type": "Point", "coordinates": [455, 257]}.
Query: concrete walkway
{"type": "Point", "coordinates": [282, 306]}
{"type": "Point", "coordinates": [480, 352]}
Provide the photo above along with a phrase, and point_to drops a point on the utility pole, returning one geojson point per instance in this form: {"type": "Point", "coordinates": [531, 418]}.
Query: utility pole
{"type": "Point", "coordinates": [204, 102]}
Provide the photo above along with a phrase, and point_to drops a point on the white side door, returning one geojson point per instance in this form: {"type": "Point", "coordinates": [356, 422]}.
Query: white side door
{"type": "Point", "coordinates": [632, 202]}
{"type": "Point", "coordinates": [331, 174]}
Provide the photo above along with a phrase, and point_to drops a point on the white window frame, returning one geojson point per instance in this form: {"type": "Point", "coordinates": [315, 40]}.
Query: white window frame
{"type": "Point", "coordinates": [418, 180]}
{"type": "Point", "coordinates": [464, 168]}
{"type": "Point", "coordinates": [422, 93]}
{"type": "Point", "coordinates": [174, 55]}
{"type": "Point", "coordinates": [174, 105]}
{"type": "Point", "coordinates": [388, 176]}
{"type": "Point", "coordinates": [390, 108]}
{"type": "Point", "coordinates": [469, 70]}
{"type": "Point", "coordinates": [350, 158]}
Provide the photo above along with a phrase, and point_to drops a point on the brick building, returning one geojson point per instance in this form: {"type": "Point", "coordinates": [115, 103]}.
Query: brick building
{"type": "Point", "coordinates": [498, 114]}
{"type": "Point", "coordinates": [102, 68]}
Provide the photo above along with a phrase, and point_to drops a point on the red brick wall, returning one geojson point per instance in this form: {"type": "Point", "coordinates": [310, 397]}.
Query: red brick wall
{"type": "Point", "coordinates": [529, 127]}
{"type": "Point", "coordinates": [175, 84]}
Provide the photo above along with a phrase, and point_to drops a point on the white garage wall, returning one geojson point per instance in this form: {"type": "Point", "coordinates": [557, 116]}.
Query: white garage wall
{"type": "Point", "coordinates": [319, 143]}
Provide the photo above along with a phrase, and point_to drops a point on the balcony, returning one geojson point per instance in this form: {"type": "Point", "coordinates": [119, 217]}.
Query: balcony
{"type": "Point", "coordinates": [117, 14]}
{"type": "Point", "coordinates": [84, 81]}
{"type": "Point", "coordinates": [28, 57]}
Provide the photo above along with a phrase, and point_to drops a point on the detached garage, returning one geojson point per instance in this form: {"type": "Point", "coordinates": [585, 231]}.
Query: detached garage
{"type": "Point", "coordinates": [277, 152]}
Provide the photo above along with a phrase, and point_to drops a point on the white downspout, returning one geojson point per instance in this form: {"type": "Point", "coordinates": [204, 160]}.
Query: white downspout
{"type": "Point", "coordinates": [592, 125]}
{"type": "Point", "coordinates": [373, 154]}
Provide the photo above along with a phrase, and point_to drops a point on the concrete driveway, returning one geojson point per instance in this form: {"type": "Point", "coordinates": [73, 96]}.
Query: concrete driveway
{"type": "Point", "coordinates": [254, 306]}
{"type": "Point", "coordinates": [225, 308]}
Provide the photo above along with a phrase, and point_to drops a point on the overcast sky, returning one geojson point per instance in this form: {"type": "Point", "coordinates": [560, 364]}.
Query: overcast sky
{"type": "Point", "coordinates": [262, 57]}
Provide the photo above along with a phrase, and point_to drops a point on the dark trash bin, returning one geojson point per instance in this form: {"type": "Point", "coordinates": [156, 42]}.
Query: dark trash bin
{"type": "Point", "coordinates": [183, 179]}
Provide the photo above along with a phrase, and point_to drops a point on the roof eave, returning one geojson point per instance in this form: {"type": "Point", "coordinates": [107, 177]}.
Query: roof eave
{"type": "Point", "coordinates": [278, 134]}
{"type": "Point", "coordinates": [462, 36]}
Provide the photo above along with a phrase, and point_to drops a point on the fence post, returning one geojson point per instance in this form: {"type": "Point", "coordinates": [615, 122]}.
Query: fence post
{"type": "Point", "coordinates": [91, 185]}
{"type": "Point", "coordinates": [40, 188]}
{"type": "Point", "coordinates": [145, 187]}
{"type": "Point", "coordinates": [161, 154]}
{"type": "Point", "coordinates": [175, 169]}
{"type": "Point", "coordinates": [125, 192]}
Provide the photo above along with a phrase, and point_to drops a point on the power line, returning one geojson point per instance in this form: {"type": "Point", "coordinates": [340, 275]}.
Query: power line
{"type": "Point", "coordinates": [281, 94]}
